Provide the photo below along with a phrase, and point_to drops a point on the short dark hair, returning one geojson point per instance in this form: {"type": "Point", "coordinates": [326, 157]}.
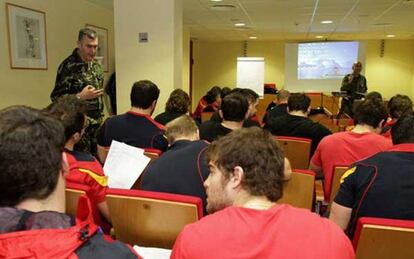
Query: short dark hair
{"type": "Point", "coordinates": [212, 94]}
{"type": "Point", "coordinates": [144, 93]}
{"type": "Point", "coordinates": [260, 156]}
{"type": "Point", "coordinates": [225, 91]}
{"type": "Point", "coordinates": [30, 154]}
{"type": "Point", "coordinates": [403, 130]}
{"type": "Point", "coordinates": [298, 102]}
{"type": "Point", "coordinates": [71, 113]}
{"type": "Point", "coordinates": [178, 102]}
{"type": "Point", "coordinates": [374, 95]}
{"type": "Point", "coordinates": [399, 104]}
{"type": "Point", "coordinates": [251, 95]}
{"type": "Point", "coordinates": [370, 112]}
{"type": "Point", "coordinates": [234, 107]}
{"type": "Point", "coordinates": [87, 32]}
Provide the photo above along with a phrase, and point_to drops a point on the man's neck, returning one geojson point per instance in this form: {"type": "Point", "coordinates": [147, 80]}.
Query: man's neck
{"type": "Point", "coordinates": [69, 145]}
{"type": "Point", "coordinates": [246, 200]}
{"type": "Point", "coordinates": [298, 113]}
{"type": "Point", "coordinates": [77, 51]}
{"type": "Point", "coordinates": [141, 111]}
{"type": "Point", "coordinates": [233, 125]}
{"type": "Point", "coordinates": [364, 128]}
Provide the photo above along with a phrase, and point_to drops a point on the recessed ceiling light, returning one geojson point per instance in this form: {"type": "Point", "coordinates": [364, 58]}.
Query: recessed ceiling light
{"type": "Point", "coordinates": [326, 22]}
{"type": "Point", "coordinates": [216, 0]}
{"type": "Point", "coordinates": [223, 7]}
{"type": "Point", "coordinates": [252, 37]}
{"type": "Point", "coordinates": [319, 37]}
{"type": "Point", "coordinates": [390, 36]}
{"type": "Point", "coordinates": [239, 24]}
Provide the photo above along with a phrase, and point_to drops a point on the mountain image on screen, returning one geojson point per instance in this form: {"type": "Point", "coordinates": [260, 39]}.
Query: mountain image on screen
{"type": "Point", "coordinates": [326, 60]}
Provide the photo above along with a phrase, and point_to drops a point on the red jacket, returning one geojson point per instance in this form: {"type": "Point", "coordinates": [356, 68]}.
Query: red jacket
{"type": "Point", "coordinates": [62, 242]}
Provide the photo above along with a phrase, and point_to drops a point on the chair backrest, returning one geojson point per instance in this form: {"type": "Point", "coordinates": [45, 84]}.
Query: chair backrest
{"type": "Point", "coordinates": [336, 181]}
{"type": "Point", "coordinates": [262, 105]}
{"type": "Point", "coordinates": [206, 116]}
{"type": "Point", "coordinates": [381, 238]}
{"type": "Point", "coordinates": [299, 190]}
{"type": "Point", "coordinates": [297, 150]}
{"type": "Point", "coordinates": [316, 99]}
{"type": "Point", "coordinates": [73, 192]}
{"type": "Point", "coordinates": [151, 218]}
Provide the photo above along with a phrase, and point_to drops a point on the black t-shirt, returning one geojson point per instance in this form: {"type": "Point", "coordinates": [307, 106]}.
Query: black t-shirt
{"type": "Point", "coordinates": [134, 129]}
{"type": "Point", "coordinates": [275, 111]}
{"type": "Point", "coordinates": [182, 169]}
{"type": "Point", "coordinates": [211, 130]}
{"type": "Point", "coordinates": [298, 126]}
{"type": "Point", "coordinates": [380, 186]}
{"type": "Point", "coordinates": [165, 117]}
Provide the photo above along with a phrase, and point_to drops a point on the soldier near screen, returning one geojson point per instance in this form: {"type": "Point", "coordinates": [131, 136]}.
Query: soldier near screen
{"type": "Point", "coordinates": [81, 75]}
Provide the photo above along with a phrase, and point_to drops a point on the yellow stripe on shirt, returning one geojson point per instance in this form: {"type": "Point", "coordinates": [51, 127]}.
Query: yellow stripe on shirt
{"type": "Point", "coordinates": [348, 173]}
{"type": "Point", "coordinates": [101, 179]}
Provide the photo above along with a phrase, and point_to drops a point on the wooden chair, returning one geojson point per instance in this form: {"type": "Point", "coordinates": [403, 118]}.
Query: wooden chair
{"type": "Point", "coordinates": [316, 99]}
{"type": "Point", "coordinates": [206, 116]}
{"type": "Point", "coordinates": [73, 192]}
{"type": "Point", "coordinates": [297, 150]}
{"type": "Point", "coordinates": [151, 218]}
{"type": "Point", "coordinates": [153, 154]}
{"type": "Point", "coordinates": [299, 190]}
{"type": "Point", "coordinates": [336, 182]}
{"type": "Point", "coordinates": [382, 238]}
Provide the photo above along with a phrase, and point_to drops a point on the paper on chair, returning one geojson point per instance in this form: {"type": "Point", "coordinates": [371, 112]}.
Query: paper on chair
{"type": "Point", "coordinates": [153, 252]}
{"type": "Point", "coordinates": [124, 164]}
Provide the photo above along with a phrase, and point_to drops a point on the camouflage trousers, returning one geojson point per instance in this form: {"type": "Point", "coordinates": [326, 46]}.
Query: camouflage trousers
{"type": "Point", "coordinates": [88, 141]}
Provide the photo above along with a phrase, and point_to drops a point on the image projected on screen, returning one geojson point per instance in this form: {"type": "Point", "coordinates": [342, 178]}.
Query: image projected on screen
{"type": "Point", "coordinates": [326, 60]}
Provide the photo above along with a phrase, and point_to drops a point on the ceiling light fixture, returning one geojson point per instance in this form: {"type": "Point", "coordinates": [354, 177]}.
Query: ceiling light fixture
{"type": "Point", "coordinates": [252, 37]}
{"type": "Point", "coordinates": [319, 37]}
{"type": "Point", "coordinates": [327, 22]}
{"type": "Point", "coordinates": [239, 24]}
{"type": "Point", "coordinates": [390, 36]}
{"type": "Point", "coordinates": [216, 0]}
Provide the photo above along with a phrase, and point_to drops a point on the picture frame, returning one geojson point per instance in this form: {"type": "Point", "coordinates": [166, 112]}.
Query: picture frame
{"type": "Point", "coordinates": [102, 53]}
{"type": "Point", "coordinates": [26, 30]}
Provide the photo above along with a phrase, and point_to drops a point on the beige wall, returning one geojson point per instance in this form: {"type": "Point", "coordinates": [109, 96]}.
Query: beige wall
{"type": "Point", "coordinates": [159, 59]}
{"type": "Point", "coordinates": [215, 64]}
{"type": "Point", "coordinates": [63, 21]}
{"type": "Point", "coordinates": [186, 60]}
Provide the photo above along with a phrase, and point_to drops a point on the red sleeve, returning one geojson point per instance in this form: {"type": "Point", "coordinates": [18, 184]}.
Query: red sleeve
{"type": "Point", "coordinates": [316, 158]}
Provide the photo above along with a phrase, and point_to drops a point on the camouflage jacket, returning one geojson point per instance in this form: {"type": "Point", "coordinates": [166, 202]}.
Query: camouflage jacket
{"type": "Point", "coordinates": [73, 75]}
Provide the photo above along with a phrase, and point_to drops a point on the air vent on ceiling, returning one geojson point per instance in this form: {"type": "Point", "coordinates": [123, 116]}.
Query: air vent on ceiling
{"type": "Point", "coordinates": [382, 24]}
{"type": "Point", "coordinates": [223, 7]}
{"type": "Point", "coordinates": [408, 2]}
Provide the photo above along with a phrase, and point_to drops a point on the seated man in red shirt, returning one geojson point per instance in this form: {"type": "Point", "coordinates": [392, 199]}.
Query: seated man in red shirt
{"type": "Point", "coordinates": [246, 180]}
{"type": "Point", "coordinates": [32, 194]}
{"type": "Point", "coordinates": [83, 168]}
{"type": "Point", "coordinates": [381, 185]}
{"type": "Point", "coordinates": [345, 148]}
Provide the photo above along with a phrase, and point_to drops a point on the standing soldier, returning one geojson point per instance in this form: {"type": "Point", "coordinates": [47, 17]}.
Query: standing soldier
{"type": "Point", "coordinates": [81, 75]}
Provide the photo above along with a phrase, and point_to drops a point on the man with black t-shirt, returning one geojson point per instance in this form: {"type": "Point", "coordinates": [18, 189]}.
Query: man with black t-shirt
{"type": "Point", "coordinates": [381, 185]}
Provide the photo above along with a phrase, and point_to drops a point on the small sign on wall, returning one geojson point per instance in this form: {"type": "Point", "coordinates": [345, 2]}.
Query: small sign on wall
{"type": "Point", "coordinates": [143, 37]}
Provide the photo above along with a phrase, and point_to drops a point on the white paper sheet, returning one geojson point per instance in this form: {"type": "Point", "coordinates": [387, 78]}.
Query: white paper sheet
{"type": "Point", "coordinates": [152, 252]}
{"type": "Point", "coordinates": [124, 164]}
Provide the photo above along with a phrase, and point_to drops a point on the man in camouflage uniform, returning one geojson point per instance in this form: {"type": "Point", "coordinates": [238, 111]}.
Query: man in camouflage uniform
{"type": "Point", "coordinates": [81, 75]}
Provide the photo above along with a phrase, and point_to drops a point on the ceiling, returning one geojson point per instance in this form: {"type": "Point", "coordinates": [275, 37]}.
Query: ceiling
{"type": "Point", "coordinates": [297, 19]}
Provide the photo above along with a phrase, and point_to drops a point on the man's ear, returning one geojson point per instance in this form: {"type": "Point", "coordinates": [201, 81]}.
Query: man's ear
{"type": "Point", "coordinates": [237, 177]}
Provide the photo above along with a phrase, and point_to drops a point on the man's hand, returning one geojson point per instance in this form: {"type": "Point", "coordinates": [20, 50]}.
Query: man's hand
{"type": "Point", "coordinates": [89, 92]}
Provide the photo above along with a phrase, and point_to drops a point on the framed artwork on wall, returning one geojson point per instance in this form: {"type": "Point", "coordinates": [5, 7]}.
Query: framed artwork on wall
{"type": "Point", "coordinates": [27, 37]}
{"type": "Point", "coordinates": [102, 53]}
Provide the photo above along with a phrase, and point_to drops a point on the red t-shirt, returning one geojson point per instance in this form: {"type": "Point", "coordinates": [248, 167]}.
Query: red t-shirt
{"type": "Point", "coordinates": [280, 232]}
{"type": "Point", "coordinates": [85, 169]}
{"type": "Point", "coordinates": [345, 148]}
